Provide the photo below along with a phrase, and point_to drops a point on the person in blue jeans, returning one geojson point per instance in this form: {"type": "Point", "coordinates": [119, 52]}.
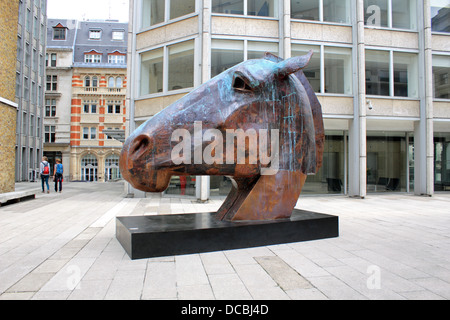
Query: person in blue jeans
{"type": "Point", "coordinates": [58, 175]}
{"type": "Point", "coordinates": [44, 170]}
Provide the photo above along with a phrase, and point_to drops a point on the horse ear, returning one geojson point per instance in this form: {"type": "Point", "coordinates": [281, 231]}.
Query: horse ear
{"type": "Point", "coordinates": [292, 65]}
{"type": "Point", "coordinates": [271, 57]}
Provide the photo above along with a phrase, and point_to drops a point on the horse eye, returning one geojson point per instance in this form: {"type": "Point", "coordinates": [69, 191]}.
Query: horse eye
{"type": "Point", "coordinates": [240, 84]}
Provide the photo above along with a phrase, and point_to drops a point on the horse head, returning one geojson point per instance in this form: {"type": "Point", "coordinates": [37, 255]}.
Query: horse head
{"type": "Point", "coordinates": [257, 100]}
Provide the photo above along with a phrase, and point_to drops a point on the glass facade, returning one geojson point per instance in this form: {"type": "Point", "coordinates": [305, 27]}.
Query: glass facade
{"type": "Point", "coordinates": [441, 161]}
{"type": "Point", "coordinates": [392, 79]}
{"type": "Point", "coordinates": [331, 176]}
{"type": "Point", "coordinates": [441, 72]}
{"type": "Point", "coordinates": [387, 161]}
{"type": "Point", "coordinates": [259, 8]}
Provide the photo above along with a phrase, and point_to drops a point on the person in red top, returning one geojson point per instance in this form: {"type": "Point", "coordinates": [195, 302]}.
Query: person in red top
{"type": "Point", "coordinates": [45, 173]}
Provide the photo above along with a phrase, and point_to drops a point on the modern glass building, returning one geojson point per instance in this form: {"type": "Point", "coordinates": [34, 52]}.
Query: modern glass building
{"type": "Point", "coordinates": [380, 71]}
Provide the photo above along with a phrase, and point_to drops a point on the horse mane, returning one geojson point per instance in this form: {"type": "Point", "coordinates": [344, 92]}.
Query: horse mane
{"type": "Point", "coordinates": [316, 110]}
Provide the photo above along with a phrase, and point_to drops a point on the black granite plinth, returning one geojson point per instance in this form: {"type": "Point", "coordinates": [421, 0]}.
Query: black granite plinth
{"type": "Point", "coordinates": [166, 235]}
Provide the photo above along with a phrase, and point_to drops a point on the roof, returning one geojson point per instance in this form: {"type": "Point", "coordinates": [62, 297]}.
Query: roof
{"type": "Point", "coordinates": [78, 39]}
{"type": "Point", "coordinates": [105, 45]}
{"type": "Point", "coordinates": [70, 26]}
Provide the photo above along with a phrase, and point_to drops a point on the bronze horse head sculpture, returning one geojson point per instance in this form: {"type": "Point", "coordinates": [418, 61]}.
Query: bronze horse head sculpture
{"type": "Point", "coordinates": [257, 100]}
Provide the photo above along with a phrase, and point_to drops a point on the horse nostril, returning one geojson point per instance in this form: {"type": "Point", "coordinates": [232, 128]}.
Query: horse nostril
{"type": "Point", "coordinates": [139, 146]}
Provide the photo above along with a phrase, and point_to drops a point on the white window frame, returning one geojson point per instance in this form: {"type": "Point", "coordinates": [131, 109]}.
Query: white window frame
{"type": "Point", "coordinates": [116, 59]}
{"type": "Point", "coordinates": [93, 58]}
{"type": "Point", "coordinates": [96, 32]}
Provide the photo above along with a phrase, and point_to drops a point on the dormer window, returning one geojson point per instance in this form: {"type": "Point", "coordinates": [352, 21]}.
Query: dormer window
{"type": "Point", "coordinates": [95, 34]}
{"type": "Point", "coordinates": [59, 32]}
{"type": "Point", "coordinates": [92, 57]}
{"type": "Point", "coordinates": [118, 35]}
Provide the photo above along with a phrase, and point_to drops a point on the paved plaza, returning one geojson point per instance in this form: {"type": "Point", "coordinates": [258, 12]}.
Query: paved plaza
{"type": "Point", "coordinates": [63, 246]}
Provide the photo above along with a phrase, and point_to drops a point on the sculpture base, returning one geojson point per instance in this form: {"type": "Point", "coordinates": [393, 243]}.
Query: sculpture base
{"type": "Point", "coordinates": [166, 235]}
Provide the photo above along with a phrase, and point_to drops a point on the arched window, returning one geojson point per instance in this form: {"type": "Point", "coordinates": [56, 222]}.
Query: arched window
{"type": "Point", "coordinates": [119, 82]}
{"type": "Point", "coordinates": [89, 168]}
{"type": "Point", "coordinates": [87, 81]}
{"type": "Point", "coordinates": [95, 81]}
{"type": "Point", "coordinates": [111, 82]}
{"type": "Point", "coordinates": [112, 171]}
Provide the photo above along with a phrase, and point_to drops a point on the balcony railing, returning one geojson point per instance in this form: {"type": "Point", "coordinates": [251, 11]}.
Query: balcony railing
{"type": "Point", "coordinates": [99, 90]}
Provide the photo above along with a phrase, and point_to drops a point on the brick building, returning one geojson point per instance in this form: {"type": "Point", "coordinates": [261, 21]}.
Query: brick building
{"type": "Point", "coordinates": [8, 106]}
{"type": "Point", "coordinates": [89, 96]}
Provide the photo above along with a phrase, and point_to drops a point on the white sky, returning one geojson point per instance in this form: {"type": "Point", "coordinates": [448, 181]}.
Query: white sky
{"type": "Point", "coordinates": [88, 9]}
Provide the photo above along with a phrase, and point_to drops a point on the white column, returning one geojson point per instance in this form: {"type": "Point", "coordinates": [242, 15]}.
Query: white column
{"type": "Point", "coordinates": [357, 130]}
{"type": "Point", "coordinates": [423, 129]}
{"type": "Point", "coordinates": [202, 183]}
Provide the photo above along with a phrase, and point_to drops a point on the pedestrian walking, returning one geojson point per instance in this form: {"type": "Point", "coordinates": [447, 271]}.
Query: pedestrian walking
{"type": "Point", "coordinates": [45, 173]}
{"type": "Point", "coordinates": [58, 175]}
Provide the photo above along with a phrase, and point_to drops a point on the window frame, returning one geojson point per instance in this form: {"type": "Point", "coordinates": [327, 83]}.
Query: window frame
{"type": "Point", "coordinates": [50, 106]}
{"type": "Point", "coordinates": [391, 63]}
{"type": "Point", "coordinates": [166, 18]}
{"type": "Point", "coordinates": [390, 18]}
{"type": "Point", "coordinates": [49, 134]}
{"type": "Point", "coordinates": [59, 30]}
{"type": "Point", "coordinates": [165, 72]}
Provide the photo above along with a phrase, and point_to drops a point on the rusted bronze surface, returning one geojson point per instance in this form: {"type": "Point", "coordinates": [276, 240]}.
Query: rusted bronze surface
{"type": "Point", "coordinates": [266, 95]}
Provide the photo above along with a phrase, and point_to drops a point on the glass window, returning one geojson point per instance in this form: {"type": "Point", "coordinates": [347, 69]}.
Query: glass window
{"type": "Point", "coordinates": [404, 14]}
{"type": "Point", "coordinates": [376, 13]}
{"type": "Point", "coordinates": [262, 8]}
{"type": "Point", "coordinates": [87, 81]}
{"type": "Point", "coordinates": [400, 14]}
{"type": "Point", "coordinates": [225, 54]}
{"type": "Point", "coordinates": [441, 161]}
{"type": "Point", "coordinates": [338, 70]}
{"type": "Point", "coordinates": [53, 62]}
{"type": "Point", "coordinates": [95, 34]}
{"type": "Point", "coordinates": [377, 72]}
{"type": "Point", "coordinates": [152, 12]}
{"type": "Point", "coordinates": [94, 81]}
{"type": "Point", "coordinates": [152, 71]}
{"type": "Point", "coordinates": [406, 75]}
{"type": "Point", "coordinates": [386, 161]}
{"type": "Point", "coordinates": [118, 35]}
{"type": "Point", "coordinates": [228, 7]}
{"type": "Point", "coordinates": [305, 9]}
{"type": "Point", "coordinates": [331, 176]}
{"type": "Point", "coordinates": [336, 11]}
{"type": "Point", "coordinates": [118, 82]}
{"type": "Point", "coordinates": [312, 71]}
{"type": "Point", "coordinates": [441, 72]}
{"type": "Point", "coordinates": [93, 133]}
{"type": "Point", "coordinates": [111, 82]}
{"type": "Point", "coordinates": [180, 8]}
{"type": "Point", "coordinates": [440, 15]}
{"type": "Point", "coordinates": [181, 65]}
{"type": "Point", "coordinates": [59, 34]}
{"type": "Point", "coordinates": [85, 133]}
{"type": "Point", "coordinates": [256, 50]}
{"type": "Point", "coordinates": [50, 108]}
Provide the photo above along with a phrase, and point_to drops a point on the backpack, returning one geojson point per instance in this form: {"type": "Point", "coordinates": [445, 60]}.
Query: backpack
{"type": "Point", "coordinates": [59, 168]}
{"type": "Point", "coordinates": [46, 169]}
